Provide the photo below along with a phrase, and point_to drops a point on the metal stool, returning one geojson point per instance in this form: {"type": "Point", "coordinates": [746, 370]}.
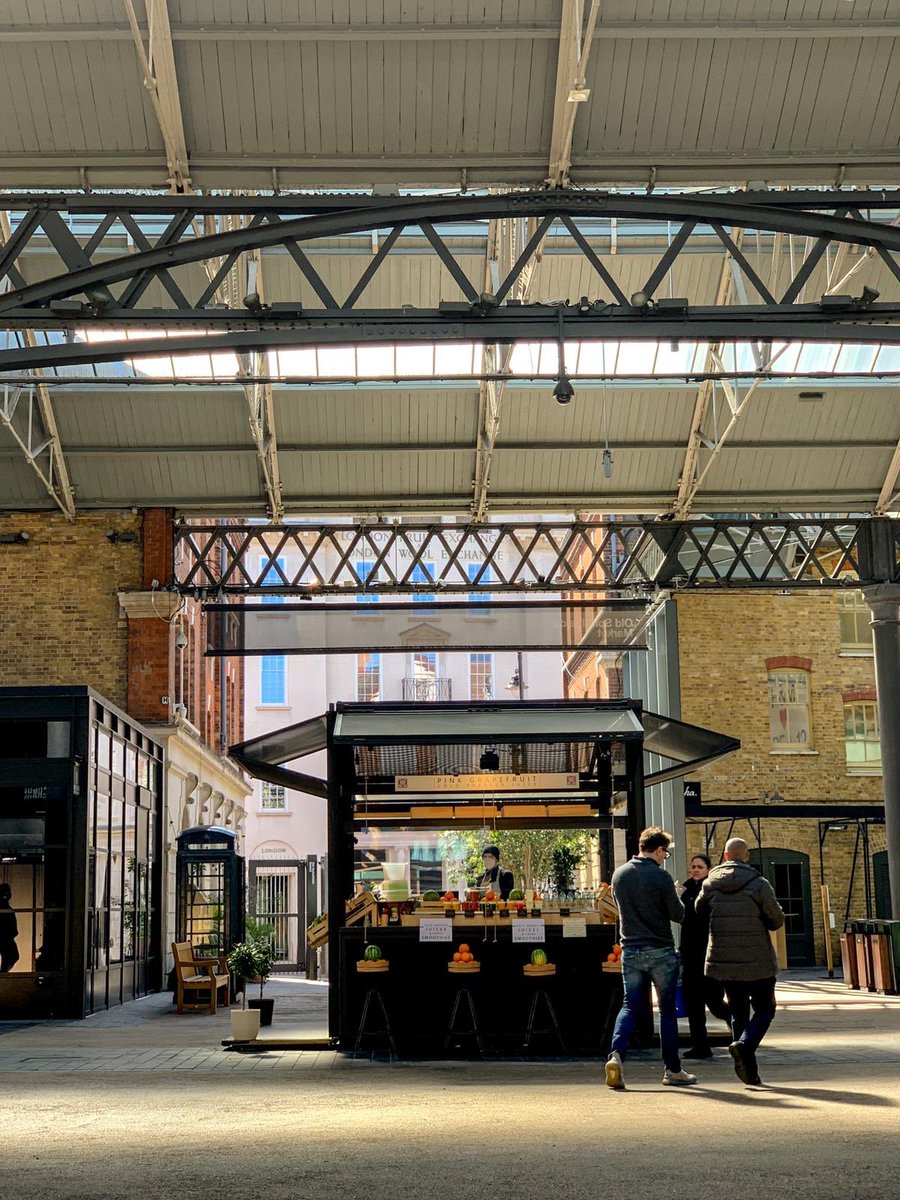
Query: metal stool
{"type": "Point", "coordinates": [463, 1008]}
{"type": "Point", "coordinates": [532, 1029]}
{"type": "Point", "coordinates": [374, 1000]}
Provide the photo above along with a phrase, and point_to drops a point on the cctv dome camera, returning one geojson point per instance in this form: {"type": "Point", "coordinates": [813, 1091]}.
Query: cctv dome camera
{"type": "Point", "coordinates": [563, 392]}
{"type": "Point", "coordinates": [180, 640]}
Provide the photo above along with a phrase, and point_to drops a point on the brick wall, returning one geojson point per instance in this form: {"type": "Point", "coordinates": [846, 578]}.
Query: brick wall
{"type": "Point", "coordinates": [59, 612]}
{"type": "Point", "coordinates": [725, 640]}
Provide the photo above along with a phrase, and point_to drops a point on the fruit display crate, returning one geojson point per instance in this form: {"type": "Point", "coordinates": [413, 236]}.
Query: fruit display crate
{"type": "Point", "coordinates": [539, 969]}
{"type": "Point", "coordinates": [365, 965]}
{"type": "Point", "coordinates": [461, 968]}
{"type": "Point", "coordinates": [359, 908]}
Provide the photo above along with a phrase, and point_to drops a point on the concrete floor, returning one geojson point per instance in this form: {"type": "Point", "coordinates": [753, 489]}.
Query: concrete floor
{"type": "Point", "coordinates": [140, 1102]}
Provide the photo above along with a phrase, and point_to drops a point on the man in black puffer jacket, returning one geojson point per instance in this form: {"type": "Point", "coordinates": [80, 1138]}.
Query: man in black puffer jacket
{"type": "Point", "coordinates": [742, 910]}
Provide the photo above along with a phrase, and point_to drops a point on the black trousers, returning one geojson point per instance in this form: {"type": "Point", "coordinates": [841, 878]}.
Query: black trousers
{"type": "Point", "coordinates": [758, 995]}
{"type": "Point", "coordinates": [701, 993]}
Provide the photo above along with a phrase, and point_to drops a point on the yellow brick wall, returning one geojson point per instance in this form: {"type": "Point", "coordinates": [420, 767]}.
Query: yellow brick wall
{"type": "Point", "coordinates": [724, 641]}
{"type": "Point", "coordinates": [59, 612]}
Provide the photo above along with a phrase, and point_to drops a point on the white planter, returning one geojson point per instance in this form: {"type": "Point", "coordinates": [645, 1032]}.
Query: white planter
{"type": "Point", "coordinates": [244, 1024]}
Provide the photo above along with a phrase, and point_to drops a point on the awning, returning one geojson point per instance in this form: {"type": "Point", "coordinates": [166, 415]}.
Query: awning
{"type": "Point", "coordinates": [506, 724]}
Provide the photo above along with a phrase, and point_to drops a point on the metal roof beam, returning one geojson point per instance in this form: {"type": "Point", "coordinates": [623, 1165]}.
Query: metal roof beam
{"type": "Point", "coordinates": [571, 87]}
{"type": "Point", "coordinates": [157, 61]}
{"type": "Point", "coordinates": [36, 432]}
{"type": "Point", "coordinates": [282, 31]}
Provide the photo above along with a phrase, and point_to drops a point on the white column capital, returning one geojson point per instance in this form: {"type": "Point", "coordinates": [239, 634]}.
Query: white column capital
{"type": "Point", "coordinates": [884, 601]}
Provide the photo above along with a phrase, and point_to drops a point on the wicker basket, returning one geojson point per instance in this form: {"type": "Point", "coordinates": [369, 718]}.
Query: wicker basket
{"type": "Point", "coordinates": [471, 968]}
{"type": "Point", "coordinates": [539, 969]}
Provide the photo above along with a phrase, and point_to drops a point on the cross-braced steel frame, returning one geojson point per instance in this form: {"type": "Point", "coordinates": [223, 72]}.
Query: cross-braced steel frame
{"type": "Point", "coordinates": [92, 281]}
{"type": "Point", "coordinates": [571, 556]}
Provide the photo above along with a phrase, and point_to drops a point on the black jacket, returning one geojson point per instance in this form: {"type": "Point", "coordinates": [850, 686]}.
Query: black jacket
{"type": "Point", "coordinates": [742, 910]}
{"type": "Point", "coordinates": [695, 927]}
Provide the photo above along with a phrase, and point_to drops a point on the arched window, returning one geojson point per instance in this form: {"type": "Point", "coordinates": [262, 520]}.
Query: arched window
{"type": "Point", "coordinates": [789, 715]}
{"type": "Point", "coordinates": [862, 737]}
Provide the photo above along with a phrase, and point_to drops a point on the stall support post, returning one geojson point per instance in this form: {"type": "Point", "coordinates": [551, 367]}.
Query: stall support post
{"type": "Point", "coordinates": [340, 864]}
{"type": "Point", "coordinates": [636, 818]}
{"type": "Point", "coordinates": [884, 601]}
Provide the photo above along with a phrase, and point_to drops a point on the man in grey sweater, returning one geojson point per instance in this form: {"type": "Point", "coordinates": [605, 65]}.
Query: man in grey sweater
{"type": "Point", "coordinates": [742, 910]}
{"type": "Point", "coordinates": [648, 904]}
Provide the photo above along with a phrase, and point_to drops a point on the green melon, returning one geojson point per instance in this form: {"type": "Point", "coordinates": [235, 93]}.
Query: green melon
{"type": "Point", "coordinates": [372, 953]}
{"type": "Point", "coordinates": [539, 958]}
{"type": "Point", "coordinates": [517, 894]}
{"type": "Point", "coordinates": [431, 896]}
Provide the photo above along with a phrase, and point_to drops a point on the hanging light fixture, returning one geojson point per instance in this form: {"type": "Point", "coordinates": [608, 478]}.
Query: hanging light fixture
{"type": "Point", "coordinates": [563, 392]}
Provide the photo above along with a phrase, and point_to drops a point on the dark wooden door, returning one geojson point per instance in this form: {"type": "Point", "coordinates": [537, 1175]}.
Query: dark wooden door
{"type": "Point", "coordinates": [788, 873]}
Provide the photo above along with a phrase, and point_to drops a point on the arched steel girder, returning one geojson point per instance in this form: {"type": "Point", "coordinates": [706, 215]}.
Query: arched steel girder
{"type": "Point", "coordinates": [93, 289]}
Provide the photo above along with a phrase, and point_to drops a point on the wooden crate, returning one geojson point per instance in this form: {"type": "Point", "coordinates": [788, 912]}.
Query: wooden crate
{"type": "Point", "coordinates": [367, 966]}
{"type": "Point", "coordinates": [357, 909]}
{"type": "Point", "coordinates": [539, 969]}
{"type": "Point", "coordinates": [471, 968]}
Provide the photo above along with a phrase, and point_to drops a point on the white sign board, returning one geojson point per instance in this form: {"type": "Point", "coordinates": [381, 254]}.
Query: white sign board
{"type": "Point", "coordinates": [499, 782]}
{"type": "Point", "coordinates": [526, 930]}
{"type": "Point", "coordinates": [437, 930]}
{"type": "Point", "coordinates": [574, 927]}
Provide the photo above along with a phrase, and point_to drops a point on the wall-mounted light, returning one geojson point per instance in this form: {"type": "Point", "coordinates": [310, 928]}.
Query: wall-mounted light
{"type": "Point", "coordinates": [115, 536]}
{"type": "Point", "coordinates": [20, 538]}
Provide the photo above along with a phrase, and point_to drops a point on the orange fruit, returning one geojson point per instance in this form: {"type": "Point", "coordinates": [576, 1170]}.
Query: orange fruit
{"type": "Point", "coordinates": [467, 957]}
{"type": "Point", "coordinates": [464, 949]}
{"type": "Point", "coordinates": [457, 957]}
{"type": "Point", "coordinates": [610, 958]}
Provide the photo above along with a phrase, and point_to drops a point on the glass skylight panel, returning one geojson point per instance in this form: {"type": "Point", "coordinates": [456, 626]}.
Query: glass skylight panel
{"type": "Point", "coordinates": [457, 358]}
{"type": "Point", "coordinates": [416, 361]}
{"type": "Point", "coordinates": [375, 361]}
{"type": "Point", "coordinates": [549, 360]}
{"type": "Point", "coordinates": [301, 363]}
{"type": "Point", "coordinates": [785, 355]}
{"type": "Point", "coordinates": [525, 358]}
{"type": "Point", "coordinates": [636, 358]}
{"type": "Point", "coordinates": [817, 356]}
{"type": "Point", "coordinates": [337, 362]}
{"type": "Point", "coordinates": [596, 358]}
{"type": "Point", "coordinates": [857, 358]}
{"type": "Point", "coordinates": [888, 359]}
{"type": "Point", "coordinates": [671, 361]}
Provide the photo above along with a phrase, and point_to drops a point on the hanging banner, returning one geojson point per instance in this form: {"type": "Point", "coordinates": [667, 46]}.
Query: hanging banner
{"type": "Point", "coordinates": [499, 782]}
{"type": "Point", "coordinates": [370, 626]}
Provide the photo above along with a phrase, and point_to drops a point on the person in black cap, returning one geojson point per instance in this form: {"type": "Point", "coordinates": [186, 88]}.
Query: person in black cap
{"type": "Point", "coordinates": [494, 878]}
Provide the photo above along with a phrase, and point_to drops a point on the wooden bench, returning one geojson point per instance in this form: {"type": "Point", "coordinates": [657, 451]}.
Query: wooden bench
{"type": "Point", "coordinates": [199, 975]}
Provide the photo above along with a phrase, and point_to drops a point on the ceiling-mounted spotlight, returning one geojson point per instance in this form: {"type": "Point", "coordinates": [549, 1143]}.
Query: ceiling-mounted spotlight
{"type": "Point", "coordinates": [253, 302]}
{"type": "Point", "coordinates": [563, 393]}
{"type": "Point", "coordinates": [639, 300]}
{"type": "Point", "coordinates": [869, 296]}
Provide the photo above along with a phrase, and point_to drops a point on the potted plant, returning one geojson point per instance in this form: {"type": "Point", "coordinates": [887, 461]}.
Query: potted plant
{"type": "Point", "coordinates": [242, 963]}
{"type": "Point", "coordinates": [264, 960]}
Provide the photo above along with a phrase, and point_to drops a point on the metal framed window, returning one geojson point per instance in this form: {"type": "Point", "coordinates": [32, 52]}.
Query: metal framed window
{"type": "Point", "coordinates": [855, 623]}
{"type": "Point", "coordinates": [481, 676]}
{"type": "Point", "coordinates": [272, 579]}
{"type": "Point", "coordinates": [364, 570]}
{"type": "Point", "coordinates": [487, 576]}
{"type": "Point", "coordinates": [272, 679]}
{"type": "Point", "coordinates": [789, 722]}
{"type": "Point", "coordinates": [862, 738]}
{"type": "Point", "coordinates": [368, 677]}
{"type": "Point", "coordinates": [423, 573]}
{"type": "Point", "coordinates": [274, 797]}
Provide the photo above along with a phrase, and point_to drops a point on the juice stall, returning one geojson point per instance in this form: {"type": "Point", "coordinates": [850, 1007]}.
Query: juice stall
{"type": "Point", "coordinates": [427, 972]}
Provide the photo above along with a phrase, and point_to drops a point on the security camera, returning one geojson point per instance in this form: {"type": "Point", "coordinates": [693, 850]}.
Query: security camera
{"type": "Point", "coordinates": [180, 640]}
{"type": "Point", "coordinates": [563, 393]}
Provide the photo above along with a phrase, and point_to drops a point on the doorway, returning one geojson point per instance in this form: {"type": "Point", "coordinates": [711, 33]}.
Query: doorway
{"type": "Point", "coordinates": [279, 895]}
{"type": "Point", "coordinates": [882, 885]}
{"type": "Point", "coordinates": [788, 873]}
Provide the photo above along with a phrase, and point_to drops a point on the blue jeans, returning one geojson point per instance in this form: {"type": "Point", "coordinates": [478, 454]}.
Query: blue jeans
{"type": "Point", "coordinates": [758, 995]}
{"type": "Point", "coordinates": [640, 968]}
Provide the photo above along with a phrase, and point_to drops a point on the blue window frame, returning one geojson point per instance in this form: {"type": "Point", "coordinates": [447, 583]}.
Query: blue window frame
{"type": "Point", "coordinates": [272, 579]}
{"type": "Point", "coordinates": [423, 573]}
{"type": "Point", "coordinates": [364, 570]}
{"type": "Point", "coordinates": [272, 679]}
{"type": "Point", "coordinates": [473, 569]}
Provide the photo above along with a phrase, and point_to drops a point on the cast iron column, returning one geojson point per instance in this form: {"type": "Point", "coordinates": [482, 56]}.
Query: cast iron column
{"type": "Point", "coordinates": [884, 599]}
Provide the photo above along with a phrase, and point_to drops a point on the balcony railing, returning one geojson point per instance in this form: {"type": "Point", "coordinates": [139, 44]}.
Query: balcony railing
{"type": "Point", "coordinates": [427, 689]}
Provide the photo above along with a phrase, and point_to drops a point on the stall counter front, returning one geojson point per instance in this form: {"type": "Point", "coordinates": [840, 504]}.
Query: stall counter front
{"type": "Point", "coordinates": [417, 993]}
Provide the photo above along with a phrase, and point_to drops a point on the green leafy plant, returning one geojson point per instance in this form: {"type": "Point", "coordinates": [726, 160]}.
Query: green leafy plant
{"type": "Point", "coordinates": [242, 963]}
{"type": "Point", "coordinates": [264, 960]}
{"type": "Point", "coordinates": [564, 860]}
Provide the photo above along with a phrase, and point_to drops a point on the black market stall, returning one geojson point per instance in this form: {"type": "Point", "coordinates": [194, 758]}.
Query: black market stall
{"type": "Point", "coordinates": [493, 765]}
{"type": "Point", "coordinates": [81, 806]}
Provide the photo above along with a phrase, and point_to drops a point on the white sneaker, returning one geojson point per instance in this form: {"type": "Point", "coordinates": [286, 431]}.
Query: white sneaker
{"type": "Point", "coordinates": [614, 1072]}
{"type": "Point", "coordinates": [678, 1078]}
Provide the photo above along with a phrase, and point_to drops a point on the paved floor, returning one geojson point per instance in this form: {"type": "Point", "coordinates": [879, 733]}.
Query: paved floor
{"type": "Point", "coordinates": [138, 1101]}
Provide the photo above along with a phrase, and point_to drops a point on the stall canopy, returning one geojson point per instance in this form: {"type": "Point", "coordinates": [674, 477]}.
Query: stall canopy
{"type": "Point", "coordinates": [413, 751]}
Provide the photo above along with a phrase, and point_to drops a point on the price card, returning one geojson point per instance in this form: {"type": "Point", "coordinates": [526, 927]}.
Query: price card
{"type": "Point", "coordinates": [525, 930]}
{"type": "Point", "coordinates": [574, 927]}
{"type": "Point", "coordinates": [437, 930]}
